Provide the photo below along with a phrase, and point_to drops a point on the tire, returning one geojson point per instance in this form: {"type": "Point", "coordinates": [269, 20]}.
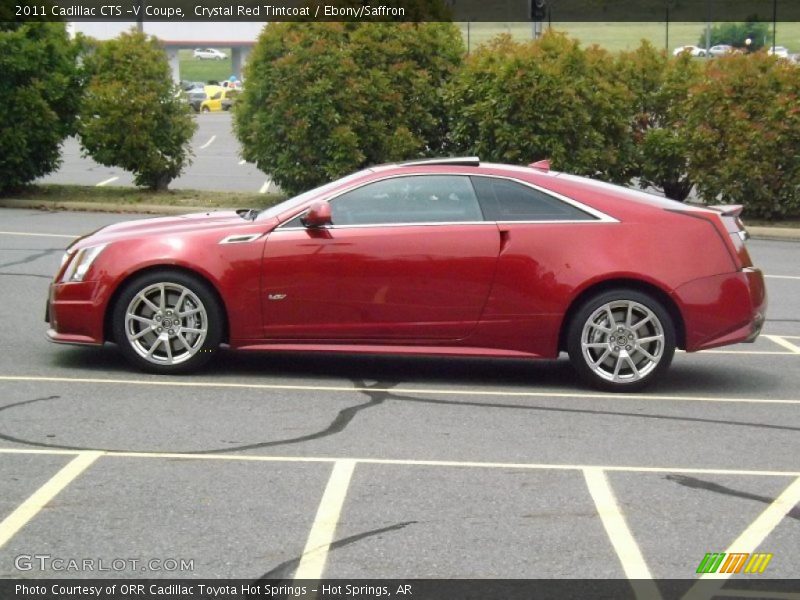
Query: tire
{"type": "Point", "coordinates": [147, 331]}
{"type": "Point", "coordinates": [205, 109]}
{"type": "Point", "coordinates": [631, 354]}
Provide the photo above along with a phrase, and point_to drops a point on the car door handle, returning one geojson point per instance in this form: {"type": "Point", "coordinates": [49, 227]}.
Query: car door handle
{"type": "Point", "coordinates": [505, 239]}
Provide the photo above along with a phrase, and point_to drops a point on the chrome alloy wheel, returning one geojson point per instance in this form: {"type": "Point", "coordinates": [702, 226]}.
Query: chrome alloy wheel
{"type": "Point", "coordinates": [622, 341]}
{"type": "Point", "coordinates": [166, 323]}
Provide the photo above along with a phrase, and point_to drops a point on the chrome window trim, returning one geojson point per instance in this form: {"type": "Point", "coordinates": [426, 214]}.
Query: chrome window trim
{"type": "Point", "coordinates": [420, 224]}
{"type": "Point", "coordinates": [600, 217]}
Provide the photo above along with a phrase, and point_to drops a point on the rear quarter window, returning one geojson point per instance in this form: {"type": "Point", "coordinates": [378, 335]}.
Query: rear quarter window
{"type": "Point", "coordinates": [505, 200]}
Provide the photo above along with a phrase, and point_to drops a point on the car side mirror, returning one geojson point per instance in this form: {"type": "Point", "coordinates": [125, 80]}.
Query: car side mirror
{"type": "Point", "coordinates": [318, 215]}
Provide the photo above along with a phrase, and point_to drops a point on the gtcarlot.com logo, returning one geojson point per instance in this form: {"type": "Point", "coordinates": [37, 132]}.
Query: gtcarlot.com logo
{"type": "Point", "coordinates": [716, 562]}
{"type": "Point", "coordinates": [47, 562]}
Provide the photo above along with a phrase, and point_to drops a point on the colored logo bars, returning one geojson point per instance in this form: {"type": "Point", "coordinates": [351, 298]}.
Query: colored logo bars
{"type": "Point", "coordinates": [713, 562]}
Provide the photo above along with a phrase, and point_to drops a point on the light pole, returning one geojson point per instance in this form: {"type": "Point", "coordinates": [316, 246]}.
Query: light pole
{"type": "Point", "coordinates": [538, 13]}
{"type": "Point", "coordinates": [774, 24]}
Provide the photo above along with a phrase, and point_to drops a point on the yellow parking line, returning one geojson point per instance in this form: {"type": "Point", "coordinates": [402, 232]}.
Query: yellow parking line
{"type": "Point", "coordinates": [315, 553]}
{"type": "Point", "coordinates": [742, 352]}
{"type": "Point", "coordinates": [752, 537]}
{"type": "Point", "coordinates": [630, 556]}
{"type": "Point", "coordinates": [107, 181]}
{"type": "Point", "coordinates": [409, 462]}
{"type": "Point", "coordinates": [760, 594]}
{"type": "Point", "coordinates": [397, 390]}
{"type": "Point", "coordinates": [783, 342]}
{"type": "Point", "coordinates": [28, 509]}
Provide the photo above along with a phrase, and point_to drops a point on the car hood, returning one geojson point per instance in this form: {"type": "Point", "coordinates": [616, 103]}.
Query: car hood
{"type": "Point", "coordinates": [224, 219]}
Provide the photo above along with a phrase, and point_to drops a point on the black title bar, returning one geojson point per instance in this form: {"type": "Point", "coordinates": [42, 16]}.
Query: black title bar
{"type": "Point", "coordinates": [376, 589]}
{"type": "Point", "coordinates": [179, 11]}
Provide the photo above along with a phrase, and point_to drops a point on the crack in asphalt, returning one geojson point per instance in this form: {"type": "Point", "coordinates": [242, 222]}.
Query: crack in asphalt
{"type": "Point", "coordinates": [284, 569]}
{"type": "Point", "coordinates": [26, 275]}
{"type": "Point", "coordinates": [337, 425]}
{"type": "Point", "coordinates": [377, 397]}
{"type": "Point", "coordinates": [694, 483]}
{"type": "Point", "coordinates": [31, 257]}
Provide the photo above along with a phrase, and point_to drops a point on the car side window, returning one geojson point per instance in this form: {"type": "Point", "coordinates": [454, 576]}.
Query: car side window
{"type": "Point", "coordinates": [409, 199]}
{"type": "Point", "coordinates": [504, 200]}
{"type": "Point", "coordinates": [216, 96]}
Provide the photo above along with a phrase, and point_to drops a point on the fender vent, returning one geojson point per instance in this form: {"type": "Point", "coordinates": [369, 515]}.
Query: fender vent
{"type": "Point", "coordinates": [240, 238]}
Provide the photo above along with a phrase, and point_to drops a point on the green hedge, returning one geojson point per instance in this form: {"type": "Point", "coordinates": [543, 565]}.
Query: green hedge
{"type": "Point", "coordinates": [324, 99]}
{"type": "Point", "coordinates": [42, 87]}
{"type": "Point", "coordinates": [517, 102]}
{"type": "Point", "coordinates": [132, 116]}
{"type": "Point", "coordinates": [743, 122]}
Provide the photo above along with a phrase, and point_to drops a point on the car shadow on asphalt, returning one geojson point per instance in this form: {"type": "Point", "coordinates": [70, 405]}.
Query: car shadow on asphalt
{"type": "Point", "coordinates": [507, 374]}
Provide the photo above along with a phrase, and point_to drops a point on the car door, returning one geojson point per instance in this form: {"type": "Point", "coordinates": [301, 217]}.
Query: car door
{"type": "Point", "coordinates": [534, 278]}
{"type": "Point", "coordinates": [405, 258]}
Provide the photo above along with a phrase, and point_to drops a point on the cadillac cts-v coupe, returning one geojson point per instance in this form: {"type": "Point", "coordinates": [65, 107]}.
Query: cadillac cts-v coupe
{"type": "Point", "coordinates": [443, 257]}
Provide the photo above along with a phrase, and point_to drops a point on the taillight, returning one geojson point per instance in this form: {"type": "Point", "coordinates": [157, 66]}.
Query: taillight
{"type": "Point", "coordinates": [728, 226]}
{"type": "Point", "coordinates": [730, 215]}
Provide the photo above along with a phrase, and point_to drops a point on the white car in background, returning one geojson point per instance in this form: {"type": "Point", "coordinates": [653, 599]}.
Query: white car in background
{"type": "Point", "coordinates": [693, 50]}
{"type": "Point", "coordinates": [721, 50]}
{"type": "Point", "coordinates": [209, 54]}
{"type": "Point", "coordinates": [779, 51]}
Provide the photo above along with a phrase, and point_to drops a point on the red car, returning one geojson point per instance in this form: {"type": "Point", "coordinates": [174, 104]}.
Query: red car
{"type": "Point", "coordinates": [442, 257]}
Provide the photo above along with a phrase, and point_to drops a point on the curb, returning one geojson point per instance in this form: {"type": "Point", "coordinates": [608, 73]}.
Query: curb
{"type": "Point", "coordinates": [758, 232]}
{"type": "Point", "coordinates": [153, 209]}
{"type": "Point", "coordinates": [786, 234]}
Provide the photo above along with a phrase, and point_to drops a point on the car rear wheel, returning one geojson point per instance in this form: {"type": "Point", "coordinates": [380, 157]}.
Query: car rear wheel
{"type": "Point", "coordinates": [621, 340]}
{"type": "Point", "coordinates": [205, 109]}
{"type": "Point", "coordinates": [167, 322]}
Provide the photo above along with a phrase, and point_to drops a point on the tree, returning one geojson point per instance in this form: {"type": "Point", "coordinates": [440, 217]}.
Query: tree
{"type": "Point", "coordinates": [133, 115]}
{"type": "Point", "coordinates": [661, 87]}
{"type": "Point", "coordinates": [744, 133]}
{"type": "Point", "coordinates": [737, 34]}
{"type": "Point", "coordinates": [324, 99]}
{"type": "Point", "coordinates": [518, 102]}
{"type": "Point", "coordinates": [42, 92]}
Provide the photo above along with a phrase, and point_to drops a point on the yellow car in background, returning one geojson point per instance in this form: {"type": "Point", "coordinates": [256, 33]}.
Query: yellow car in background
{"type": "Point", "coordinates": [219, 98]}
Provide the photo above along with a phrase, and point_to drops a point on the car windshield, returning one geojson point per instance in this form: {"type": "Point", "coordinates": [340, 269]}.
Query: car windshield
{"type": "Point", "coordinates": [274, 211]}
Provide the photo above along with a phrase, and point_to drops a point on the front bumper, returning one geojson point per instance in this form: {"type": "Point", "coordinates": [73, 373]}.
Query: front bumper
{"type": "Point", "coordinates": [723, 309]}
{"type": "Point", "coordinates": [75, 314]}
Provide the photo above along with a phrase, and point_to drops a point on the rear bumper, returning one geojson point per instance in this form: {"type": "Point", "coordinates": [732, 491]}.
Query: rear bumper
{"type": "Point", "coordinates": [723, 309]}
{"type": "Point", "coordinates": [75, 314]}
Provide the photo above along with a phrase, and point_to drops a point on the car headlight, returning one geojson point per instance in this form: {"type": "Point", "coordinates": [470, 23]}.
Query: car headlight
{"type": "Point", "coordinates": [80, 263]}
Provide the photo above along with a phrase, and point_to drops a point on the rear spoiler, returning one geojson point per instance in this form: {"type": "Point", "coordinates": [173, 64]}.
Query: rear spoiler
{"type": "Point", "coordinates": [728, 210]}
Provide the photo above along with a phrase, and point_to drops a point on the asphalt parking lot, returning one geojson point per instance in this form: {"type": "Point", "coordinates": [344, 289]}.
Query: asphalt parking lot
{"type": "Point", "coordinates": [216, 163]}
{"type": "Point", "coordinates": [290, 466]}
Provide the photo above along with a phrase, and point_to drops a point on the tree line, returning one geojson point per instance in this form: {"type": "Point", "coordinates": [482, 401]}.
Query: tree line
{"type": "Point", "coordinates": [324, 99]}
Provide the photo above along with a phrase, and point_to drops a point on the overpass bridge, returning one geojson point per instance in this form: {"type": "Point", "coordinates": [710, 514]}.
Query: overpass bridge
{"type": "Point", "coordinates": [240, 37]}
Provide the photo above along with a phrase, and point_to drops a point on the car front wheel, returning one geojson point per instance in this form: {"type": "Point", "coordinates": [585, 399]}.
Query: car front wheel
{"type": "Point", "coordinates": [621, 340]}
{"type": "Point", "coordinates": [167, 322]}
